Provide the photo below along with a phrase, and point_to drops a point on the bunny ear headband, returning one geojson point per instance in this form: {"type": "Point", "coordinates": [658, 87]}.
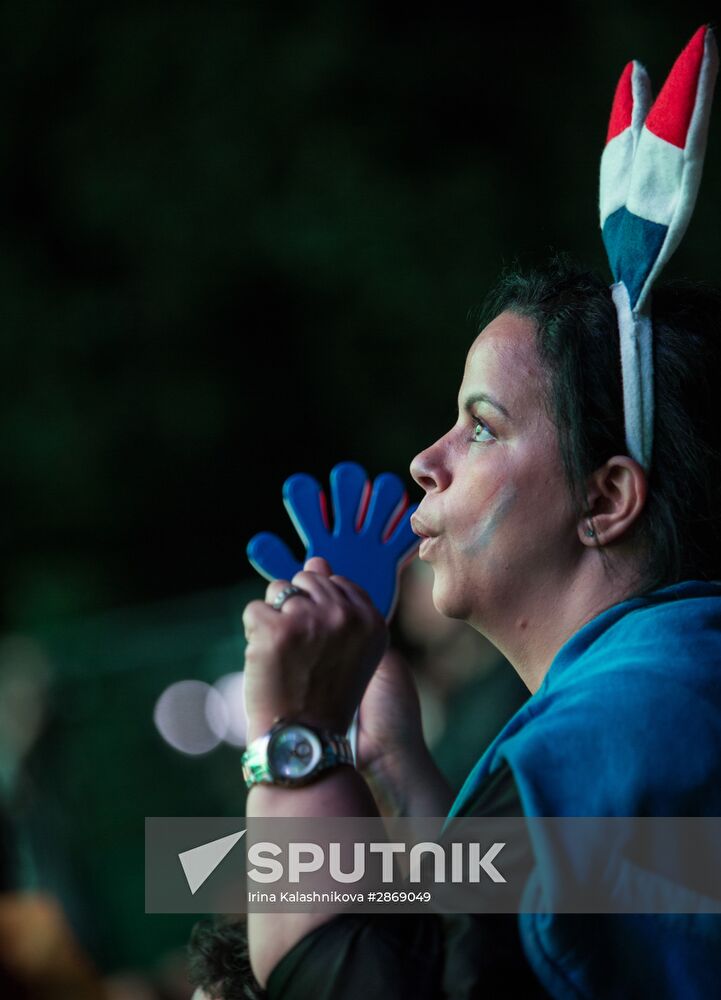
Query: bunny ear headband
{"type": "Point", "coordinates": [650, 174]}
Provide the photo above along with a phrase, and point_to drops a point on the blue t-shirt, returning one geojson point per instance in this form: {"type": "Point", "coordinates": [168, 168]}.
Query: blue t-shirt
{"type": "Point", "coordinates": [627, 722]}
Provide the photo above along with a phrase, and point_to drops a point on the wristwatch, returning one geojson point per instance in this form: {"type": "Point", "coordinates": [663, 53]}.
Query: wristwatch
{"type": "Point", "coordinates": [292, 754]}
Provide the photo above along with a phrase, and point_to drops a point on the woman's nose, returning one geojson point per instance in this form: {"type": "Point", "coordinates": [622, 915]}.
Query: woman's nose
{"type": "Point", "coordinates": [428, 471]}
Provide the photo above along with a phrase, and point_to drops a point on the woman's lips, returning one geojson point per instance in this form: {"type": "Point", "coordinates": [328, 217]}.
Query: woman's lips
{"type": "Point", "coordinates": [419, 528]}
{"type": "Point", "coordinates": [424, 547]}
{"type": "Point", "coordinates": [424, 533]}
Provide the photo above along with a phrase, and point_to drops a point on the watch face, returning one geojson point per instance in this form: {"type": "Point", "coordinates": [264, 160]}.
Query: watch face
{"type": "Point", "coordinates": [293, 752]}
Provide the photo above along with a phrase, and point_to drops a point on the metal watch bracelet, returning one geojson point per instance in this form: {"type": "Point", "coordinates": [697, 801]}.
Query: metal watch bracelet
{"type": "Point", "coordinates": [335, 750]}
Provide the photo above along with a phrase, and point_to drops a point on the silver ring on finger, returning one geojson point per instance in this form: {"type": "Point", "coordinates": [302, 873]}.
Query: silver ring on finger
{"type": "Point", "coordinates": [285, 595]}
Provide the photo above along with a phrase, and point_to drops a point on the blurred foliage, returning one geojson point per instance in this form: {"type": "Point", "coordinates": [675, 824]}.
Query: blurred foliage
{"type": "Point", "coordinates": [242, 240]}
{"type": "Point", "coordinates": [100, 766]}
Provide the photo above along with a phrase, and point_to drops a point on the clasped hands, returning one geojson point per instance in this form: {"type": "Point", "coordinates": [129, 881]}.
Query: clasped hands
{"type": "Point", "coordinates": [311, 660]}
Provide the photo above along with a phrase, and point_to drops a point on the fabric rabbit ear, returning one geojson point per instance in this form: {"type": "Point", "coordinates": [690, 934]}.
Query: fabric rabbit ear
{"type": "Point", "coordinates": [666, 158]}
{"type": "Point", "coordinates": [628, 113]}
{"type": "Point", "coordinates": [650, 174]}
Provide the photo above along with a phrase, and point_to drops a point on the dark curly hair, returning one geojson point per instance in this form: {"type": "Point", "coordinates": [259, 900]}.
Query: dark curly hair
{"type": "Point", "coordinates": [219, 962]}
{"type": "Point", "coordinates": [679, 529]}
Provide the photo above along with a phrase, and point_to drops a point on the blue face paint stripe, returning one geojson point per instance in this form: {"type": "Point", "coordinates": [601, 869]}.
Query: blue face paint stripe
{"type": "Point", "coordinates": [497, 516]}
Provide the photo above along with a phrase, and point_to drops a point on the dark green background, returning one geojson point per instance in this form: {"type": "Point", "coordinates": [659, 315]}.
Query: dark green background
{"type": "Point", "coordinates": [241, 240]}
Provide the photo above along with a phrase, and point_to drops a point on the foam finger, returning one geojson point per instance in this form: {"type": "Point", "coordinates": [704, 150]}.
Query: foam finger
{"type": "Point", "coordinates": [388, 499]}
{"type": "Point", "coordinates": [305, 502]}
{"type": "Point", "coordinates": [271, 557]}
{"type": "Point", "coordinates": [350, 490]}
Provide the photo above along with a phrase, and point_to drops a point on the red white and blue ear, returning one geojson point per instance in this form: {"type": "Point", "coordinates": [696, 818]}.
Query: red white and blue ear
{"type": "Point", "coordinates": [631, 103]}
{"type": "Point", "coordinates": [650, 174]}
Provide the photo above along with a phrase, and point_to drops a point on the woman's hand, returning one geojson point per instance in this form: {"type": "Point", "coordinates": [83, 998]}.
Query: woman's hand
{"type": "Point", "coordinates": [390, 714]}
{"type": "Point", "coordinates": [311, 660]}
{"type": "Point", "coordinates": [392, 753]}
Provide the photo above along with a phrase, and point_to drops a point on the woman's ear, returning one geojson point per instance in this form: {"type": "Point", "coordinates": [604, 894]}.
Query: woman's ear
{"type": "Point", "coordinates": [616, 494]}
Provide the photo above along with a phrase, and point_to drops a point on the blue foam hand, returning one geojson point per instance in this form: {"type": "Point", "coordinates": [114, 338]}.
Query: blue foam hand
{"type": "Point", "coordinates": [370, 538]}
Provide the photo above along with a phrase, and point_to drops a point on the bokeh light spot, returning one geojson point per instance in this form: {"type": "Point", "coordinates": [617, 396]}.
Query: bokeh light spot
{"type": "Point", "coordinates": [231, 688]}
{"type": "Point", "coordinates": [191, 716]}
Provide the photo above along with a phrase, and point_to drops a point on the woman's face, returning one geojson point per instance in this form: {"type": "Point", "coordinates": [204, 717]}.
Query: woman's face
{"type": "Point", "coordinates": [497, 517]}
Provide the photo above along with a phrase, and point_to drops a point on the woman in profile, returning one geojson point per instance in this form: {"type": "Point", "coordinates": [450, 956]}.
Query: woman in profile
{"type": "Point", "coordinates": [572, 515]}
{"type": "Point", "coordinates": [597, 582]}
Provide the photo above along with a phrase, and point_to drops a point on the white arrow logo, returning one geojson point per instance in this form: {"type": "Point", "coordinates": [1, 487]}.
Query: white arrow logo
{"type": "Point", "coordinates": [199, 863]}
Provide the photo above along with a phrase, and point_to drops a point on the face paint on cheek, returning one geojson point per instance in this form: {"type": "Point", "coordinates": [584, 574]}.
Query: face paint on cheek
{"type": "Point", "coordinates": [488, 528]}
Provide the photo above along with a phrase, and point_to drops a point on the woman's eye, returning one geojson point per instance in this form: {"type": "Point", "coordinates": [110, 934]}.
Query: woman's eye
{"type": "Point", "coordinates": [479, 430]}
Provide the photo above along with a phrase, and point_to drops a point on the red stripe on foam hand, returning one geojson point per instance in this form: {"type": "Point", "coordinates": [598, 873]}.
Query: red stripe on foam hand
{"type": "Point", "coordinates": [402, 508]}
{"type": "Point", "coordinates": [363, 506]}
{"type": "Point", "coordinates": [324, 510]}
{"type": "Point", "coordinates": [622, 107]}
{"type": "Point", "coordinates": [670, 115]}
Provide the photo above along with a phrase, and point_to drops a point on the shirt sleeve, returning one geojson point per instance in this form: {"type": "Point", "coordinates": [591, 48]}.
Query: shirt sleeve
{"type": "Point", "coordinates": [357, 956]}
{"type": "Point", "coordinates": [386, 956]}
